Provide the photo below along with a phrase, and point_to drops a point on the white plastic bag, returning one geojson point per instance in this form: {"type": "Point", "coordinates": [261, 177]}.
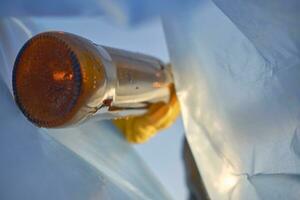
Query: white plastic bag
{"type": "Point", "coordinates": [237, 72]}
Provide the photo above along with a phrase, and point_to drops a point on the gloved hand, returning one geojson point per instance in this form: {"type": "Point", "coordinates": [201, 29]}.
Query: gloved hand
{"type": "Point", "coordinates": [139, 129]}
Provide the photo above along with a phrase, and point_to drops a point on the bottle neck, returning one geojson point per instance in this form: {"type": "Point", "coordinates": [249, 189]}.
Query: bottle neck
{"type": "Point", "coordinates": [140, 81]}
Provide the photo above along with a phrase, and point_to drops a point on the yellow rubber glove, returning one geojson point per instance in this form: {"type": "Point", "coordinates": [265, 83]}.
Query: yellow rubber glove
{"type": "Point", "coordinates": [139, 129]}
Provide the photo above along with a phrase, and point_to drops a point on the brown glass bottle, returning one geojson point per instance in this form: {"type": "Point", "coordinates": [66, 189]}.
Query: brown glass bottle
{"type": "Point", "coordinates": [61, 79]}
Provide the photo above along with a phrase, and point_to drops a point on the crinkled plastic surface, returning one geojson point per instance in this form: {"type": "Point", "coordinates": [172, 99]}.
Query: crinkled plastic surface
{"type": "Point", "coordinates": [92, 161]}
{"type": "Point", "coordinates": [237, 72]}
